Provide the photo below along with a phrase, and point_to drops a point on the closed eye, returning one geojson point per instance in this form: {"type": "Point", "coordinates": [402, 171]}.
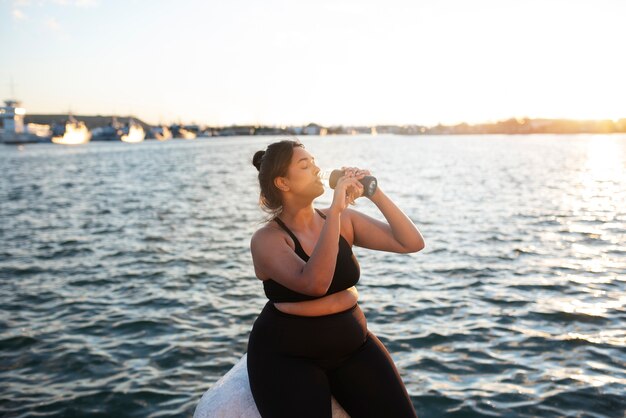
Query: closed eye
{"type": "Point", "coordinates": [307, 166]}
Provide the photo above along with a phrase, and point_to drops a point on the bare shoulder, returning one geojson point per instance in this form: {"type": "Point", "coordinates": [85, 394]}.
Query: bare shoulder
{"type": "Point", "coordinates": [263, 231]}
{"type": "Point", "coordinates": [273, 255]}
{"type": "Point", "coordinates": [267, 233]}
{"type": "Point", "coordinates": [352, 214]}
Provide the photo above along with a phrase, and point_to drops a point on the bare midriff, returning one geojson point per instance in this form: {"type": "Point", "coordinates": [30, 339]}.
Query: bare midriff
{"type": "Point", "coordinates": [326, 305]}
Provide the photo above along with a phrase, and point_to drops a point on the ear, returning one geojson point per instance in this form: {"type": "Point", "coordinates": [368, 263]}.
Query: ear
{"type": "Point", "coordinates": [281, 183]}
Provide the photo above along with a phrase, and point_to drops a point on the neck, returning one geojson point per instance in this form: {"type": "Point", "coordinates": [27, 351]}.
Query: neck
{"type": "Point", "coordinates": [299, 216]}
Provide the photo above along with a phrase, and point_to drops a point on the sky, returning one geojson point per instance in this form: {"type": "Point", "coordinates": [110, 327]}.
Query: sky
{"type": "Point", "coordinates": [332, 62]}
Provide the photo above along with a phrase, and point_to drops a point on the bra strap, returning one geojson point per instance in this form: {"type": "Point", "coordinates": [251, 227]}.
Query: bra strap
{"type": "Point", "coordinates": [320, 213]}
{"type": "Point", "coordinates": [299, 249]}
{"type": "Point", "coordinates": [291, 234]}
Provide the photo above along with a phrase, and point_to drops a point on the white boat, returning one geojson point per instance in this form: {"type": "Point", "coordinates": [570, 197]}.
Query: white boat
{"type": "Point", "coordinates": [74, 132]}
{"type": "Point", "coordinates": [133, 132]}
{"type": "Point", "coordinates": [182, 132]}
{"type": "Point", "coordinates": [185, 134]}
{"type": "Point", "coordinates": [13, 130]}
{"type": "Point", "coordinates": [111, 132]}
{"type": "Point", "coordinates": [161, 133]}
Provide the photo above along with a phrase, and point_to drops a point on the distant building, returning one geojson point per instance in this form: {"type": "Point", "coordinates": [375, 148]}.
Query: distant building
{"type": "Point", "coordinates": [270, 130]}
{"type": "Point", "coordinates": [236, 131]}
{"type": "Point", "coordinates": [12, 115]}
{"type": "Point", "coordinates": [314, 129]}
{"type": "Point", "coordinates": [13, 130]}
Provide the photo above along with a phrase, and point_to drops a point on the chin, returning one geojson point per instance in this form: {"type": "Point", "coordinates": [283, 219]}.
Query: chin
{"type": "Point", "coordinates": [321, 192]}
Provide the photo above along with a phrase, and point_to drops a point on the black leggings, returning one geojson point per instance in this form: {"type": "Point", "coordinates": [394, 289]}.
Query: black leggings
{"type": "Point", "coordinates": [295, 363]}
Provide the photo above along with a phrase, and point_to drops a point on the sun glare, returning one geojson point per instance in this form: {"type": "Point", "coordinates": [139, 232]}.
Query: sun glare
{"type": "Point", "coordinates": [606, 159]}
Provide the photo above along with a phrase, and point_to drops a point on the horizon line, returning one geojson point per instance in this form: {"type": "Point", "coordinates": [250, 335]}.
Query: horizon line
{"type": "Point", "coordinates": [521, 120]}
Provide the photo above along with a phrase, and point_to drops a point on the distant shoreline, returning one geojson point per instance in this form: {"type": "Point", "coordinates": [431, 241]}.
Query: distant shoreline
{"type": "Point", "coordinates": [512, 126]}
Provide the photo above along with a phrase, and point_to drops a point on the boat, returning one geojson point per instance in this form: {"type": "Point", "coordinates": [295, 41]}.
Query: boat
{"type": "Point", "coordinates": [161, 133]}
{"type": "Point", "coordinates": [133, 132]}
{"type": "Point", "coordinates": [230, 397]}
{"type": "Point", "coordinates": [112, 132]}
{"type": "Point", "coordinates": [13, 129]}
{"type": "Point", "coordinates": [72, 132]}
{"type": "Point", "coordinates": [183, 132]}
{"type": "Point", "coordinates": [205, 133]}
{"type": "Point", "coordinates": [186, 134]}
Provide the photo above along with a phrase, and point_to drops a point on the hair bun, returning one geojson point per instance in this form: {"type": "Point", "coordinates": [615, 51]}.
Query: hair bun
{"type": "Point", "coordinates": [256, 160]}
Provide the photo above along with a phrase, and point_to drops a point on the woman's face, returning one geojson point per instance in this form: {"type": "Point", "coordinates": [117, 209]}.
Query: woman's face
{"type": "Point", "coordinates": [303, 174]}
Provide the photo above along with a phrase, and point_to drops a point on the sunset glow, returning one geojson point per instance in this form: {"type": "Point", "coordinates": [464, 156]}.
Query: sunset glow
{"type": "Point", "coordinates": [329, 62]}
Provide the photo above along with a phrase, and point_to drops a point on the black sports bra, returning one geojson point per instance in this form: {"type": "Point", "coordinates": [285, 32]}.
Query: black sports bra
{"type": "Point", "coordinates": [347, 272]}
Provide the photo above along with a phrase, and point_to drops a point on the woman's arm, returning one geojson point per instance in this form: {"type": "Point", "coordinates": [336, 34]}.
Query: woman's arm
{"type": "Point", "coordinates": [399, 235]}
{"type": "Point", "coordinates": [274, 258]}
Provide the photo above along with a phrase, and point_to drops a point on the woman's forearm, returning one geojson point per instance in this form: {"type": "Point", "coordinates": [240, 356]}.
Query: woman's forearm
{"type": "Point", "coordinates": [320, 268]}
{"type": "Point", "coordinates": [403, 229]}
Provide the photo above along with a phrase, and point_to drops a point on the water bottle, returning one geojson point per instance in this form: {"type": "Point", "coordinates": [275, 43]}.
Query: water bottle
{"type": "Point", "coordinates": [369, 182]}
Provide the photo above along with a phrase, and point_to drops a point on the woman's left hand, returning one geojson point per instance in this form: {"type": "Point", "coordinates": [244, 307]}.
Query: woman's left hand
{"type": "Point", "coordinates": [358, 174]}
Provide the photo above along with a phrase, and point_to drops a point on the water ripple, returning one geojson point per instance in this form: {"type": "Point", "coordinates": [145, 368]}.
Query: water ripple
{"type": "Point", "coordinates": [127, 287]}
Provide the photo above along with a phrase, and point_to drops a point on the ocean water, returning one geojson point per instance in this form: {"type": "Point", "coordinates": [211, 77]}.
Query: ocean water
{"type": "Point", "coordinates": [127, 288]}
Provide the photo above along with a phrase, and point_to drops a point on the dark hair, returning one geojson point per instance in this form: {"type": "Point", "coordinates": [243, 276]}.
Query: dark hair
{"type": "Point", "coordinates": [272, 163]}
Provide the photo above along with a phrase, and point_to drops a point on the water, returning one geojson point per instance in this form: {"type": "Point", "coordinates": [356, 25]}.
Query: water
{"type": "Point", "coordinates": [127, 289]}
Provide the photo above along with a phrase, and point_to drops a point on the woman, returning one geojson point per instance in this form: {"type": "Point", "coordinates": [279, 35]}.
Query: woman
{"type": "Point", "coordinates": [311, 339]}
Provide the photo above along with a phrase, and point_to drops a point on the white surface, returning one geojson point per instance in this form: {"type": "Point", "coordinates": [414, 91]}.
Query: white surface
{"type": "Point", "coordinates": [230, 397]}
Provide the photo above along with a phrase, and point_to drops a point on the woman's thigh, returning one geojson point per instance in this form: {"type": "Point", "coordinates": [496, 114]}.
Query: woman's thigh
{"type": "Point", "coordinates": [288, 387]}
{"type": "Point", "coordinates": [368, 384]}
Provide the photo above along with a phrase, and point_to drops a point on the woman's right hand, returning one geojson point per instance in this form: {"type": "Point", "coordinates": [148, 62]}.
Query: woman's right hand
{"type": "Point", "coordinates": [348, 188]}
